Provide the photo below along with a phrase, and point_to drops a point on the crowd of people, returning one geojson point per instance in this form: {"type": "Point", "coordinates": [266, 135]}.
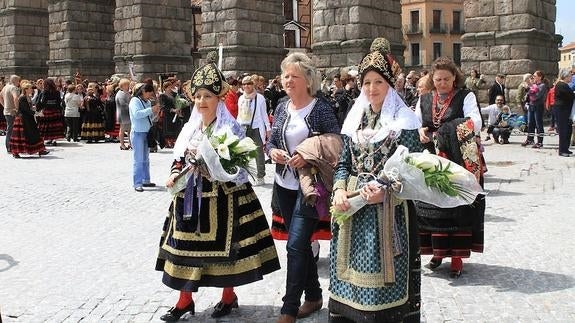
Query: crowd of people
{"type": "Point", "coordinates": [328, 140]}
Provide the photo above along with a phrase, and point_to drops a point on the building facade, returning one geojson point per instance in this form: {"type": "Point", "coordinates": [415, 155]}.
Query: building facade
{"type": "Point", "coordinates": [150, 37]}
{"type": "Point", "coordinates": [567, 56]}
{"type": "Point", "coordinates": [431, 28]}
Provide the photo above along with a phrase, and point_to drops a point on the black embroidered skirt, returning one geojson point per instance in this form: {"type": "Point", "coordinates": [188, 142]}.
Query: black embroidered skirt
{"type": "Point", "coordinates": [228, 244]}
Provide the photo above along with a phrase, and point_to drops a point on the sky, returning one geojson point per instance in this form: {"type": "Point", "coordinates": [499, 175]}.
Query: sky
{"type": "Point", "coordinates": [564, 24]}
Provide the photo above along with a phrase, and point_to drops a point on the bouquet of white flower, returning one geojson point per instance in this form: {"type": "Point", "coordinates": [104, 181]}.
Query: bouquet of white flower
{"type": "Point", "coordinates": [224, 154]}
{"type": "Point", "coordinates": [420, 176]}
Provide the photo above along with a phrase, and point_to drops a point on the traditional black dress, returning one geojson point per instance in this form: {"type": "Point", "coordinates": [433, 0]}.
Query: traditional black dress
{"type": "Point", "coordinates": [111, 125]}
{"type": "Point", "coordinates": [25, 138]}
{"type": "Point", "coordinates": [452, 232]}
{"type": "Point", "coordinates": [3, 124]}
{"type": "Point", "coordinates": [225, 243]}
{"type": "Point", "coordinates": [93, 122]}
{"type": "Point", "coordinates": [51, 125]}
{"type": "Point", "coordinates": [171, 123]}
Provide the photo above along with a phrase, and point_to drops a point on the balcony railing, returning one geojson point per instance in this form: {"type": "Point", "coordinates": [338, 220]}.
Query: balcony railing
{"type": "Point", "coordinates": [413, 29]}
{"type": "Point", "coordinates": [438, 28]}
{"type": "Point", "coordinates": [457, 29]}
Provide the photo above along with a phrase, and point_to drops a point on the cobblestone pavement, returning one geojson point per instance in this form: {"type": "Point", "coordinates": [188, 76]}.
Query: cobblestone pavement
{"type": "Point", "coordinates": [78, 244]}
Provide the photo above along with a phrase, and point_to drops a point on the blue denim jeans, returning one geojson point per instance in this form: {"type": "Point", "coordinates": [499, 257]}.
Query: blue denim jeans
{"type": "Point", "coordinates": [141, 158]}
{"type": "Point", "coordinates": [301, 266]}
{"type": "Point", "coordinates": [9, 127]}
{"type": "Point", "coordinates": [535, 121]}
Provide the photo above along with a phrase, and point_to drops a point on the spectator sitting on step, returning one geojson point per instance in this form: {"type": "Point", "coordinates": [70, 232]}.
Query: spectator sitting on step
{"type": "Point", "coordinates": [504, 125]}
{"type": "Point", "coordinates": [492, 112]}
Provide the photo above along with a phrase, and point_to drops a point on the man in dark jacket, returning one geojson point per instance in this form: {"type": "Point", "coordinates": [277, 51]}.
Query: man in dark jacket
{"type": "Point", "coordinates": [498, 88]}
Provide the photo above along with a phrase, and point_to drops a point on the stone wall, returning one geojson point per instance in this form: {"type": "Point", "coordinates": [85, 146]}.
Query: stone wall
{"type": "Point", "coordinates": [24, 38]}
{"type": "Point", "coordinates": [155, 37]}
{"type": "Point", "coordinates": [81, 35]}
{"type": "Point", "coordinates": [343, 30]}
{"type": "Point", "coordinates": [512, 37]}
{"type": "Point", "coordinates": [251, 32]}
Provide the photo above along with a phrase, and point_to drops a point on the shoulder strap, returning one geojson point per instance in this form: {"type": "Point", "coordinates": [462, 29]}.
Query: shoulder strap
{"type": "Point", "coordinates": [255, 109]}
{"type": "Point", "coordinates": [144, 106]}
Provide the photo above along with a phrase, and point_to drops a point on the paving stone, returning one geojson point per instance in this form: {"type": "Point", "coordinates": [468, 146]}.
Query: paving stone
{"type": "Point", "coordinates": [78, 241]}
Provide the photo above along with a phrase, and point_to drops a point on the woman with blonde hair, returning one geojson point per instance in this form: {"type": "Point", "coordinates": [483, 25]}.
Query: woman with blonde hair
{"type": "Point", "coordinates": [296, 119]}
{"type": "Point", "coordinates": [25, 137]}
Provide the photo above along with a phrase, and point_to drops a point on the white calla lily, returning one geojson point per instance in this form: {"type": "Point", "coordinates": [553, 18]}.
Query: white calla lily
{"type": "Point", "coordinates": [245, 145]}
{"type": "Point", "coordinates": [223, 151]}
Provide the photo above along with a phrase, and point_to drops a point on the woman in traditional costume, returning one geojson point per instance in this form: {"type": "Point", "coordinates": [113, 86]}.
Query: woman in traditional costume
{"type": "Point", "coordinates": [451, 125]}
{"type": "Point", "coordinates": [93, 123]}
{"type": "Point", "coordinates": [25, 137]}
{"type": "Point", "coordinates": [375, 262]}
{"type": "Point", "coordinates": [51, 120]}
{"type": "Point", "coordinates": [216, 233]}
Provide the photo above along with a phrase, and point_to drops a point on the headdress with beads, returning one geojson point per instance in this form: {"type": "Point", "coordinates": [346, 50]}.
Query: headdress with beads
{"type": "Point", "coordinates": [380, 60]}
{"type": "Point", "coordinates": [209, 77]}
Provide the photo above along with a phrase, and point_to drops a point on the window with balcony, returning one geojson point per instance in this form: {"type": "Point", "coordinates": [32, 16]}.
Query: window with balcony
{"type": "Point", "coordinates": [457, 53]}
{"type": "Point", "coordinates": [436, 50]}
{"type": "Point", "coordinates": [457, 27]}
{"type": "Point", "coordinates": [415, 58]}
{"type": "Point", "coordinates": [414, 24]}
{"type": "Point", "coordinates": [436, 26]}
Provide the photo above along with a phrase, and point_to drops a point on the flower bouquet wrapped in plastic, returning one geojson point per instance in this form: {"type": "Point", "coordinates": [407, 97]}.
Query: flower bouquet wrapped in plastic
{"type": "Point", "coordinates": [224, 155]}
{"type": "Point", "coordinates": [420, 176]}
{"type": "Point", "coordinates": [221, 157]}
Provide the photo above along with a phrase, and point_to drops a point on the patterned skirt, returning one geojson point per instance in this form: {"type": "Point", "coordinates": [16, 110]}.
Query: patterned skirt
{"type": "Point", "coordinates": [358, 288]}
{"type": "Point", "coordinates": [3, 124]}
{"type": "Point", "coordinates": [455, 232]}
{"type": "Point", "coordinates": [25, 138]}
{"type": "Point", "coordinates": [115, 132]}
{"type": "Point", "coordinates": [228, 243]}
{"type": "Point", "coordinates": [279, 230]}
{"type": "Point", "coordinates": [51, 125]}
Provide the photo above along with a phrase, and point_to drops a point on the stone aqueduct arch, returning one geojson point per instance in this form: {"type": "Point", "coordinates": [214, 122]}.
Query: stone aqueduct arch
{"type": "Point", "coordinates": [99, 38]}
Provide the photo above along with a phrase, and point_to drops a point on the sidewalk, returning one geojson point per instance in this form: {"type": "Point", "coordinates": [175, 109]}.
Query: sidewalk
{"type": "Point", "coordinates": [77, 244]}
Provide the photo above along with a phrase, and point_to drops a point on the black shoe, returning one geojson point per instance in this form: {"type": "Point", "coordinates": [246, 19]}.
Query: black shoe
{"type": "Point", "coordinates": [564, 155]}
{"type": "Point", "coordinates": [222, 309]}
{"type": "Point", "coordinates": [455, 274]}
{"type": "Point", "coordinates": [174, 314]}
{"type": "Point", "coordinates": [43, 153]}
{"type": "Point", "coordinates": [15, 155]}
{"type": "Point", "coordinates": [434, 263]}
{"type": "Point", "coordinates": [138, 189]}
{"type": "Point", "coordinates": [149, 185]}
{"type": "Point", "coordinates": [527, 143]}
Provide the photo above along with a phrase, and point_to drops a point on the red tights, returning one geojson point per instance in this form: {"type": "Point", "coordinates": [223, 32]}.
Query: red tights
{"type": "Point", "coordinates": [228, 297]}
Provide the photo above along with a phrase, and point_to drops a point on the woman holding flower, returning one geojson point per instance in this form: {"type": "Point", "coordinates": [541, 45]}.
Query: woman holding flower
{"type": "Point", "coordinates": [374, 272]}
{"type": "Point", "coordinates": [451, 125]}
{"type": "Point", "coordinates": [296, 119]}
{"type": "Point", "coordinates": [216, 233]}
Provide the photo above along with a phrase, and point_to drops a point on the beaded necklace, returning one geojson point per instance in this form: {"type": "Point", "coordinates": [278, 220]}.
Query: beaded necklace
{"type": "Point", "coordinates": [440, 106]}
{"type": "Point", "coordinates": [365, 161]}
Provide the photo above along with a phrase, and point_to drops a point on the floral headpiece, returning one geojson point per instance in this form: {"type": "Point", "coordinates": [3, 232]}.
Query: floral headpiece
{"type": "Point", "coordinates": [381, 61]}
{"type": "Point", "coordinates": [209, 77]}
